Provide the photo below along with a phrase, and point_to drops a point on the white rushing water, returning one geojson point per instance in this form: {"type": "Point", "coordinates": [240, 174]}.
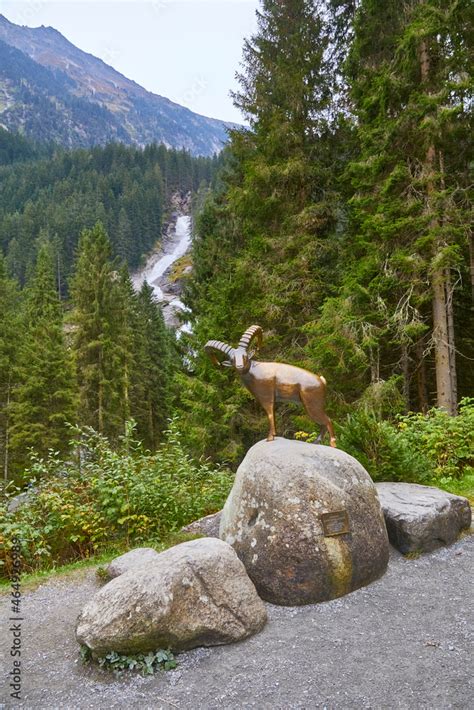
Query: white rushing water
{"type": "Point", "coordinates": [156, 267]}
{"type": "Point", "coordinates": [158, 263]}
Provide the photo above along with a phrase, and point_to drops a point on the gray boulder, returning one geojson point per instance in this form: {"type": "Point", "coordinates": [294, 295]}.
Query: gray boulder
{"type": "Point", "coordinates": [19, 500]}
{"type": "Point", "coordinates": [131, 560]}
{"type": "Point", "coordinates": [194, 594]}
{"type": "Point", "coordinates": [422, 518]}
{"type": "Point", "coordinates": [306, 522]}
{"type": "Point", "coordinates": [207, 526]}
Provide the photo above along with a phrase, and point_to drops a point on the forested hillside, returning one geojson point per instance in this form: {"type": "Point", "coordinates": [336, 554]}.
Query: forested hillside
{"type": "Point", "coordinates": [77, 345]}
{"type": "Point", "coordinates": [55, 198]}
{"type": "Point", "coordinates": [342, 225]}
{"type": "Point", "coordinates": [104, 361]}
{"type": "Point", "coordinates": [15, 148]}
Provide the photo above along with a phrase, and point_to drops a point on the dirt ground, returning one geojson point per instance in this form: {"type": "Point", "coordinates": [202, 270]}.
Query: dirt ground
{"type": "Point", "coordinates": [403, 642]}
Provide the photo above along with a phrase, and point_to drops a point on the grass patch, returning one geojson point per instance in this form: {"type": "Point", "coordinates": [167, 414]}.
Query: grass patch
{"type": "Point", "coordinates": [179, 266]}
{"type": "Point", "coordinates": [459, 487]}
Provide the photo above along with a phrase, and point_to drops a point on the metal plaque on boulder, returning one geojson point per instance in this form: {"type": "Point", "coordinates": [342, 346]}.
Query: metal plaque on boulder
{"type": "Point", "coordinates": [335, 523]}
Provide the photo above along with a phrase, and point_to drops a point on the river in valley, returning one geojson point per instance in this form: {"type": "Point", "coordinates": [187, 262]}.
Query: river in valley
{"type": "Point", "coordinates": [157, 272]}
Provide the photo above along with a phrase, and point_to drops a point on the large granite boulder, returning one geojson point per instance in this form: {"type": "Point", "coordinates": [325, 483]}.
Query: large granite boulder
{"type": "Point", "coordinates": [422, 518]}
{"type": "Point", "coordinates": [133, 559]}
{"type": "Point", "coordinates": [306, 522]}
{"type": "Point", "coordinates": [207, 526]}
{"type": "Point", "coordinates": [194, 594]}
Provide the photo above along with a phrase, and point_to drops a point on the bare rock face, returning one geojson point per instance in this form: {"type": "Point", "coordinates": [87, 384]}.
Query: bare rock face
{"type": "Point", "coordinates": [207, 526]}
{"type": "Point", "coordinates": [306, 522]}
{"type": "Point", "coordinates": [422, 518]}
{"type": "Point", "coordinates": [194, 594]}
{"type": "Point", "coordinates": [131, 560]}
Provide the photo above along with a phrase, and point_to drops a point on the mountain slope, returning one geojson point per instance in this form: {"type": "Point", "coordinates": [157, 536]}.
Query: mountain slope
{"type": "Point", "coordinates": [51, 90]}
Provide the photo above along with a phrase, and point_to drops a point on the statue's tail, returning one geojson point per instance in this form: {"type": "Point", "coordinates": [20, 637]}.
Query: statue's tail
{"type": "Point", "coordinates": [323, 379]}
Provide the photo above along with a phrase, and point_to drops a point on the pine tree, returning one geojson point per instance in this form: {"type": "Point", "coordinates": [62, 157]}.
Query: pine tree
{"type": "Point", "coordinates": [407, 69]}
{"type": "Point", "coordinates": [154, 368]}
{"type": "Point", "coordinates": [98, 342]}
{"type": "Point", "coordinates": [263, 251]}
{"type": "Point", "coordinates": [10, 341]}
{"type": "Point", "coordinates": [284, 96]}
{"type": "Point", "coordinates": [124, 246]}
{"type": "Point", "coordinates": [43, 403]}
{"type": "Point", "coordinates": [126, 341]}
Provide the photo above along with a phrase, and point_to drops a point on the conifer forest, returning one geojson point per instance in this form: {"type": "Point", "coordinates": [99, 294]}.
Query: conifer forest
{"type": "Point", "coordinates": [338, 217]}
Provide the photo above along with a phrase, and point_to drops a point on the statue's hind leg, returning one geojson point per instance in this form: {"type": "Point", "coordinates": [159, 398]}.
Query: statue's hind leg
{"type": "Point", "coordinates": [314, 408]}
{"type": "Point", "coordinates": [322, 432]}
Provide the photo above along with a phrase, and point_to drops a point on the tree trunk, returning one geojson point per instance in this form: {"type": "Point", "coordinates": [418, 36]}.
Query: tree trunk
{"type": "Point", "coordinates": [406, 375]}
{"type": "Point", "coordinates": [151, 428]}
{"type": "Point", "coordinates": [471, 264]}
{"type": "Point", "coordinates": [444, 391]}
{"type": "Point", "coordinates": [126, 398]}
{"type": "Point", "coordinates": [7, 433]}
{"type": "Point", "coordinates": [444, 379]}
{"type": "Point", "coordinates": [59, 277]}
{"type": "Point", "coordinates": [100, 413]}
{"type": "Point", "coordinates": [374, 365]}
{"type": "Point", "coordinates": [451, 342]}
{"type": "Point", "coordinates": [421, 377]}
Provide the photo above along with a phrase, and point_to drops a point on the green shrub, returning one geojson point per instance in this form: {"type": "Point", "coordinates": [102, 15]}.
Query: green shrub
{"type": "Point", "coordinates": [381, 450]}
{"type": "Point", "coordinates": [106, 497]}
{"type": "Point", "coordinates": [447, 442]}
{"type": "Point", "coordinates": [433, 448]}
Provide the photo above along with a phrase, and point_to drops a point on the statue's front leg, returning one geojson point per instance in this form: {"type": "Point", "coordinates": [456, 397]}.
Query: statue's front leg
{"type": "Point", "coordinates": [270, 410]}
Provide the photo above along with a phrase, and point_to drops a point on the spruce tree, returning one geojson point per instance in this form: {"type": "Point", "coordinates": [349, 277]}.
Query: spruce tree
{"type": "Point", "coordinates": [107, 339]}
{"type": "Point", "coordinates": [263, 251]}
{"type": "Point", "coordinates": [44, 401]}
{"type": "Point", "coordinates": [11, 335]}
{"type": "Point", "coordinates": [98, 341]}
{"type": "Point", "coordinates": [125, 341]}
{"type": "Point", "coordinates": [154, 368]}
{"type": "Point", "coordinates": [407, 69]}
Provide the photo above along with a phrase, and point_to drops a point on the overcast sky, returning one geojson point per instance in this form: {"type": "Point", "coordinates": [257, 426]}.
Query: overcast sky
{"type": "Point", "coordinates": [186, 50]}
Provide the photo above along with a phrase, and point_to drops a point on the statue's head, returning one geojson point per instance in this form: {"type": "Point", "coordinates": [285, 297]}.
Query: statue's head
{"type": "Point", "coordinates": [241, 361]}
{"type": "Point", "coordinates": [239, 358]}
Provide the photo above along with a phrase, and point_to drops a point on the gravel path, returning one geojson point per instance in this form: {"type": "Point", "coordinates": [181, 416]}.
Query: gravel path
{"type": "Point", "coordinates": [403, 642]}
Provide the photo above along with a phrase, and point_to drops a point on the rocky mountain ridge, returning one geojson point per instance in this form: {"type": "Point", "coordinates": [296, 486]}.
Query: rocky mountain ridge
{"type": "Point", "coordinates": [52, 91]}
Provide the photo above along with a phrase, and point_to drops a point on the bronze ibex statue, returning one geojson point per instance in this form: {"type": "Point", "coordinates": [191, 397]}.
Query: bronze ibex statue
{"type": "Point", "coordinates": [271, 382]}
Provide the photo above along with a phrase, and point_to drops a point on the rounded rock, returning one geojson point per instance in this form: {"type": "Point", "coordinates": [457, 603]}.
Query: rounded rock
{"type": "Point", "coordinates": [422, 518]}
{"type": "Point", "coordinates": [306, 522]}
{"type": "Point", "coordinates": [132, 559]}
{"type": "Point", "coordinates": [194, 594]}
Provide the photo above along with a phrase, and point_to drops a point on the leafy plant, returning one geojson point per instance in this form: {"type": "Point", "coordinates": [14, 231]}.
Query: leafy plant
{"type": "Point", "coordinates": [144, 663]}
{"type": "Point", "coordinates": [101, 573]}
{"type": "Point", "coordinates": [446, 442]}
{"type": "Point", "coordinates": [106, 497]}
{"type": "Point", "coordinates": [381, 450]}
{"type": "Point", "coordinates": [433, 448]}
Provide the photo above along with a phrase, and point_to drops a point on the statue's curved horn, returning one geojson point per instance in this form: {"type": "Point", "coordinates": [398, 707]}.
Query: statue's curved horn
{"type": "Point", "coordinates": [213, 346]}
{"type": "Point", "coordinates": [250, 334]}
